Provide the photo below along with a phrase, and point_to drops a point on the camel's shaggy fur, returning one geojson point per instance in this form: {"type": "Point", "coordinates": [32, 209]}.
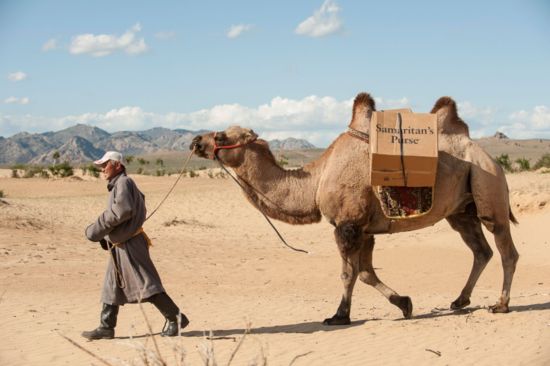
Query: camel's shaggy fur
{"type": "Point", "coordinates": [470, 191]}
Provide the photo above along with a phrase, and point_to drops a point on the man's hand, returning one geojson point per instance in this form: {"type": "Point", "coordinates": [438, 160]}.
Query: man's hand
{"type": "Point", "coordinates": [104, 244]}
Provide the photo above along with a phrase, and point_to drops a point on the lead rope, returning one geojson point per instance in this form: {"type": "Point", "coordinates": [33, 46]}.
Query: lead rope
{"type": "Point", "coordinates": [173, 185]}
{"type": "Point", "coordinates": [261, 211]}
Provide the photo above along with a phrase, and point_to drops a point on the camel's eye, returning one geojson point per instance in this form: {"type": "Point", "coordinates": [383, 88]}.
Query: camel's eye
{"type": "Point", "coordinates": [220, 137]}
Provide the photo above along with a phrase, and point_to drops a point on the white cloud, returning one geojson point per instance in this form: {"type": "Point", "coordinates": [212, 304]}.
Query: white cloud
{"type": "Point", "coordinates": [323, 22]}
{"type": "Point", "coordinates": [317, 119]}
{"type": "Point", "coordinates": [524, 124]}
{"type": "Point", "coordinates": [105, 44]}
{"type": "Point", "coordinates": [470, 112]}
{"type": "Point", "coordinates": [17, 76]}
{"type": "Point", "coordinates": [15, 100]}
{"type": "Point", "coordinates": [51, 44]}
{"type": "Point", "coordinates": [237, 30]}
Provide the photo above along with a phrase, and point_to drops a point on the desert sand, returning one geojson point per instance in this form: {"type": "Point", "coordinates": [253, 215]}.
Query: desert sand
{"type": "Point", "coordinates": [224, 266]}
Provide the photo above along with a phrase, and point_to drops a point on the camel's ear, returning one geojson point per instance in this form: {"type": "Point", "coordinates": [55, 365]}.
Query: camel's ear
{"type": "Point", "coordinates": [249, 135]}
{"type": "Point", "coordinates": [363, 106]}
{"type": "Point", "coordinates": [448, 120]}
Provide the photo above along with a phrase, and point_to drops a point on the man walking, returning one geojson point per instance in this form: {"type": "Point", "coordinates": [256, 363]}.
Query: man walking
{"type": "Point", "coordinates": [131, 275]}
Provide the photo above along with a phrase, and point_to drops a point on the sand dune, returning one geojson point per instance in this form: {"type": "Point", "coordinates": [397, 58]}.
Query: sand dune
{"type": "Point", "coordinates": [224, 266]}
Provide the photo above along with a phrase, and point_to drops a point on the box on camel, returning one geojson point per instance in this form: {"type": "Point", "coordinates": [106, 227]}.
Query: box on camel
{"type": "Point", "coordinates": [403, 148]}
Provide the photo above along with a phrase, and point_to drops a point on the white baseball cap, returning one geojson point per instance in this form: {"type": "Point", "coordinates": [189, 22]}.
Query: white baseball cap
{"type": "Point", "coordinates": [110, 155]}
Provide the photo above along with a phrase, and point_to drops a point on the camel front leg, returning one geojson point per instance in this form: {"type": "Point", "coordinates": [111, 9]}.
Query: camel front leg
{"type": "Point", "coordinates": [368, 276]}
{"type": "Point", "coordinates": [349, 277]}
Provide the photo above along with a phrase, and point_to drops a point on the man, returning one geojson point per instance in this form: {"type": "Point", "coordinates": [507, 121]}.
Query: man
{"type": "Point", "coordinates": [131, 275]}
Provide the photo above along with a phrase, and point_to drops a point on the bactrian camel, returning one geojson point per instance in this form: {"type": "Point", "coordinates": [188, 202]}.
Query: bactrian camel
{"type": "Point", "coordinates": [470, 190]}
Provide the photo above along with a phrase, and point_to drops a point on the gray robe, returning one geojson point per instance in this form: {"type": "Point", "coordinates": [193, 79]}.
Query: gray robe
{"type": "Point", "coordinates": [124, 215]}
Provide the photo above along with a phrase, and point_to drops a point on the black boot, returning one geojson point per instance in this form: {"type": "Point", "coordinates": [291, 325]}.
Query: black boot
{"type": "Point", "coordinates": [170, 310]}
{"type": "Point", "coordinates": [106, 329]}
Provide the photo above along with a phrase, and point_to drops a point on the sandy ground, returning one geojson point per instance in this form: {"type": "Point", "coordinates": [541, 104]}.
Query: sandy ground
{"type": "Point", "coordinates": [225, 268]}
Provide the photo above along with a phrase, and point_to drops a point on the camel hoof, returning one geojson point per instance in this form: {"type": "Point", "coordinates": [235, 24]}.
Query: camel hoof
{"type": "Point", "coordinates": [404, 303]}
{"type": "Point", "coordinates": [337, 320]}
{"type": "Point", "coordinates": [499, 308]}
{"type": "Point", "coordinates": [460, 303]}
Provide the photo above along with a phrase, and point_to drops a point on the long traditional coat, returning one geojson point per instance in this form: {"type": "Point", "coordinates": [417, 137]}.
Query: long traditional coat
{"type": "Point", "coordinates": [118, 224]}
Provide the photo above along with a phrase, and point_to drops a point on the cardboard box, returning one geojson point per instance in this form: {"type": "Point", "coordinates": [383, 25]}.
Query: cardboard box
{"type": "Point", "coordinates": [403, 148]}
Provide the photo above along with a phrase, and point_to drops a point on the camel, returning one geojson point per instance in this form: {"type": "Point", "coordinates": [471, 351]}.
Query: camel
{"type": "Point", "coordinates": [470, 190]}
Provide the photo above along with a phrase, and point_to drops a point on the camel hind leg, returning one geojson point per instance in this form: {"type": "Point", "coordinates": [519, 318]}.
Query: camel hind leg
{"type": "Point", "coordinates": [468, 225]}
{"type": "Point", "coordinates": [490, 193]}
{"type": "Point", "coordinates": [509, 256]}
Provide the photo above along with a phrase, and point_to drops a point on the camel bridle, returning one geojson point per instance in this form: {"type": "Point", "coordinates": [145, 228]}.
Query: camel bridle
{"type": "Point", "coordinates": [227, 147]}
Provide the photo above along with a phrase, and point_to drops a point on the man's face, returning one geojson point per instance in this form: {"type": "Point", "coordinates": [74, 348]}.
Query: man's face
{"type": "Point", "coordinates": [110, 169]}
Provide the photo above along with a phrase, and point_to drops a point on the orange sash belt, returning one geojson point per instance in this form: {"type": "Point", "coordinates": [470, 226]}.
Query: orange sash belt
{"type": "Point", "coordinates": [138, 232]}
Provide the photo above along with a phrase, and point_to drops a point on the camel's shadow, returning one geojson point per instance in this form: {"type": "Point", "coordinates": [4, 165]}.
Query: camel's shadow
{"type": "Point", "coordinates": [436, 313]}
{"type": "Point", "coordinates": [318, 326]}
{"type": "Point", "coordinates": [303, 328]}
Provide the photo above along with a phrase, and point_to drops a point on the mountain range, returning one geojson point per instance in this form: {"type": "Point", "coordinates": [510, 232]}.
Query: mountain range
{"type": "Point", "coordinates": [84, 143]}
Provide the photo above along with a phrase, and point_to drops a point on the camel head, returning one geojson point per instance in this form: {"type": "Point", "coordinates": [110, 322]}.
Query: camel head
{"type": "Point", "coordinates": [228, 146]}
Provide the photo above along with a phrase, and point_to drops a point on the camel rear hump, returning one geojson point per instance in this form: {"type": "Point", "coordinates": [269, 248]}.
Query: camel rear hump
{"type": "Point", "coordinates": [448, 121]}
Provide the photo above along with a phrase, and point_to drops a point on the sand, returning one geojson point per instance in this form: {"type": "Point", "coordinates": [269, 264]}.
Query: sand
{"type": "Point", "coordinates": [225, 268]}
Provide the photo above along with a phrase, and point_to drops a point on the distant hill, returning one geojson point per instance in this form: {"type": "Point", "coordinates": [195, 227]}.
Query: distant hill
{"type": "Point", "coordinates": [76, 150]}
{"type": "Point", "coordinates": [290, 144]}
{"type": "Point", "coordinates": [83, 143]}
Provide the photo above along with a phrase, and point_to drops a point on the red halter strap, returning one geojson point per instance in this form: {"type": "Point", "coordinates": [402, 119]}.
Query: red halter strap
{"type": "Point", "coordinates": [227, 147]}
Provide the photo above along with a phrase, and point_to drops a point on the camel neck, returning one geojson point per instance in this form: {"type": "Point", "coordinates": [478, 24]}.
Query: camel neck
{"type": "Point", "coordinates": [286, 195]}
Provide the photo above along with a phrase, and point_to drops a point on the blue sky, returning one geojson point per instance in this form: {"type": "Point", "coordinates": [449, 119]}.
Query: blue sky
{"type": "Point", "coordinates": [284, 68]}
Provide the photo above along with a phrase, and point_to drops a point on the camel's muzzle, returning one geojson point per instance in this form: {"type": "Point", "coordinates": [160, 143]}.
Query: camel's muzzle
{"type": "Point", "coordinates": [197, 146]}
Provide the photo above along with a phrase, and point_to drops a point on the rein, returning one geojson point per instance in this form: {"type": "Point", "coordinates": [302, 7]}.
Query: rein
{"type": "Point", "coordinates": [215, 157]}
{"type": "Point", "coordinates": [173, 185]}
{"type": "Point", "coordinates": [261, 211]}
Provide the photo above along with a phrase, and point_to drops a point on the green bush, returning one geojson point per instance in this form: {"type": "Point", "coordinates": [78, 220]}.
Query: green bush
{"type": "Point", "coordinates": [504, 161]}
{"type": "Point", "coordinates": [14, 173]}
{"type": "Point", "coordinates": [61, 170]}
{"type": "Point", "coordinates": [139, 171]}
{"type": "Point", "coordinates": [35, 171]}
{"type": "Point", "coordinates": [543, 162]}
{"type": "Point", "coordinates": [160, 172]}
{"type": "Point", "coordinates": [92, 170]}
{"type": "Point", "coordinates": [523, 164]}
{"type": "Point", "coordinates": [193, 174]}
{"type": "Point", "coordinates": [283, 161]}
{"type": "Point", "coordinates": [1, 193]}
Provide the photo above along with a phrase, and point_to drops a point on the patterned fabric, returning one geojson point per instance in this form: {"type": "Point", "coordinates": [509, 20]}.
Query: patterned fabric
{"type": "Point", "coordinates": [403, 202]}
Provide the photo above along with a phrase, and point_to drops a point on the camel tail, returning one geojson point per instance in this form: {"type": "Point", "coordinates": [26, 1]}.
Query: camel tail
{"type": "Point", "coordinates": [512, 217]}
